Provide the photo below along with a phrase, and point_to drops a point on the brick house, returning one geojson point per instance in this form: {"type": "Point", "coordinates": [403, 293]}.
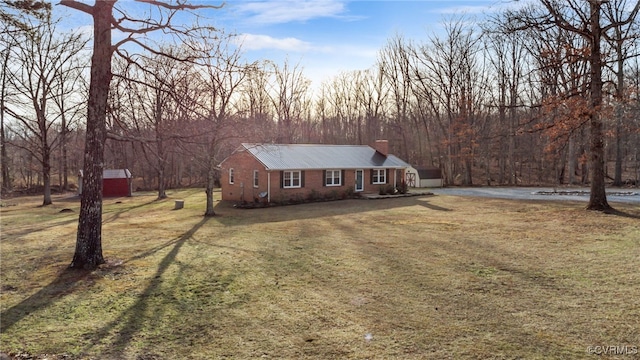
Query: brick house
{"type": "Point", "coordinates": [282, 172]}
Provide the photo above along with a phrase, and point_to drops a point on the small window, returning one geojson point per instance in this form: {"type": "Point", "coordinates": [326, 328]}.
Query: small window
{"type": "Point", "coordinates": [256, 178]}
{"type": "Point", "coordinates": [231, 176]}
{"type": "Point", "coordinates": [379, 176]}
{"type": "Point", "coordinates": [333, 178]}
{"type": "Point", "coordinates": [291, 179]}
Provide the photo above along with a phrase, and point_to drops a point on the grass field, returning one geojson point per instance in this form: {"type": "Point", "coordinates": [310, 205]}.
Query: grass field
{"type": "Point", "coordinates": [435, 277]}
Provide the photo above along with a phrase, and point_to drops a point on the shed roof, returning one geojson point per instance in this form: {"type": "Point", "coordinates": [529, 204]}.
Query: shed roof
{"type": "Point", "coordinates": [430, 173]}
{"type": "Point", "coordinates": [116, 174]}
{"type": "Point", "coordinates": [112, 173]}
{"type": "Point", "coordinates": [319, 156]}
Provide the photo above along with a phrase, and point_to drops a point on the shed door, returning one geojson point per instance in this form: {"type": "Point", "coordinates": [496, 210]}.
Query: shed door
{"type": "Point", "coordinates": [411, 179]}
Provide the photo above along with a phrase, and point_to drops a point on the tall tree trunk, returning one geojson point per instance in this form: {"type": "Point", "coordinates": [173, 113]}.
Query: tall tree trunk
{"type": "Point", "coordinates": [211, 181]}
{"type": "Point", "coordinates": [617, 178]}
{"type": "Point", "coordinates": [46, 175]}
{"type": "Point", "coordinates": [4, 159]}
{"type": "Point", "coordinates": [88, 253]}
{"type": "Point", "coordinates": [468, 172]}
{"type": "Point", "coordinates": [572, 160]}
{"type": "Point", "coordinates": [162, 188]}
{"type": "Point", "coordinates": [513, 171]}
{"type": "Point", "coordinates": [6, 175]}
{"type": "Point", "coordinates": [598, 197]}
{"type": "Point", "coordinates": [65, 164]}
{"type": "Point", "coordinates": [45, 151]}
{"type": "Point", "coordinates": [161, 156]}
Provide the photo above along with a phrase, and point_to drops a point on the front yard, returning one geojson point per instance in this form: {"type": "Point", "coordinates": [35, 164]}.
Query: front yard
{"type": "Point", "coordinates": [430, 277]}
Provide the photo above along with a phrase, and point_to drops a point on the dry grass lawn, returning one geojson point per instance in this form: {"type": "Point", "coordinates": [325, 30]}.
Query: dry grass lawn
{"type": "Point", "coordinates": [436, 277]}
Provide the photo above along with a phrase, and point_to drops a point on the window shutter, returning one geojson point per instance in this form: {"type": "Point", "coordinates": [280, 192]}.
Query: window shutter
{"type": "Point", "coordinates": [342, 182]}
{"type": "Point", "coordinates": [281, 179]}
{"type": "Point", "coordinates": [371, 176]}
{"type": "Point", "coordinates": [302, 178]}
{"type": "Point", "coordinates": [387, 177]}
{"type": "Point", "coordinates": [324, 177]}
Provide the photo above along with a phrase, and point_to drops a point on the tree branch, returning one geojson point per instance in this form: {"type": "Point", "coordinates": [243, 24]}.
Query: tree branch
{"type": "Point", "coordinates": [78, 6]}
{"type": "Point", "coordinates": [180, 6]}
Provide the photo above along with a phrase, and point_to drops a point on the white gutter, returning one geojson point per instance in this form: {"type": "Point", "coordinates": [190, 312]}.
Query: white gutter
{"type": "Point", "coordinates": [269, 186]}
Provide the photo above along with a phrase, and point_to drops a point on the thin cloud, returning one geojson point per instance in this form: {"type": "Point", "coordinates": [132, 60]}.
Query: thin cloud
{"type": "Point", "coordinates": [468, 9]}
{"type": "Point", "coordinates": [261, 42]}
{"type": "Point", "coordinates": [252, 42]}
{"type": "Point", "coordinates": [276, 12]}
{"type": "Point", "coordinates": [497, 6]}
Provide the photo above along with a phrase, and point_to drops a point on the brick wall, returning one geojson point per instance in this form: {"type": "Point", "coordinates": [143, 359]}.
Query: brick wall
{"type": "Point", "coordinates": [242, 189]}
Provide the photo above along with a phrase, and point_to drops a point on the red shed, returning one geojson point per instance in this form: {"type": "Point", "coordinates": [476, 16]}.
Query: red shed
{"type": "Point", "coordinates": [115, 182]}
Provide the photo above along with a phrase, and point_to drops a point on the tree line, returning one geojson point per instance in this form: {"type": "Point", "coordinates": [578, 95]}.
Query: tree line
{"type": "Point", "coordinates": [508, 101]}
{"type": "Point", "coordinates": [494, 103]}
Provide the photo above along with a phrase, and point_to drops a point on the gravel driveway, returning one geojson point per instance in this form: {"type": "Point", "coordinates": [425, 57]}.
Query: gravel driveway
{"type": "Point", "coordinates": [630, 196]}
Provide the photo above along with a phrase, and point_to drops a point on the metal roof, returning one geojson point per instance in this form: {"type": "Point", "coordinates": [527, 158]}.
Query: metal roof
{"type": "Point", "coordinates": [113, 173]}
{"type": "Point", "coordinates": [116, 174]}
{"type": "Point", "coordinates": [317, 156]}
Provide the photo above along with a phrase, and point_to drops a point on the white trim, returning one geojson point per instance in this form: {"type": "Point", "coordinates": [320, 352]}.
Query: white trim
{"type": "Point", "coordinates": [269, 186]}
{"type": "Point", "coordinates": [333, 171]}
{"type": "Point", "coordinates": [256, 179]}
{"type": "Point", "coordinates": [292, 179]}
{"type": "Point", "coordinates": [361, 180]}
{"type": "Point", "coordinates": [384, 176]}
{"type": "Point", "coordinates": [231, 176]}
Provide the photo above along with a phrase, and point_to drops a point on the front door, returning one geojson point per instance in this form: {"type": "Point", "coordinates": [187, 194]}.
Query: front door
{"type": "Point", "coordinates": [359, 180]}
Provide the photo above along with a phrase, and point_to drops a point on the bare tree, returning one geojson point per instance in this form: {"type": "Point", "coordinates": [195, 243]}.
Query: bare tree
{"type": "Point", "coordinates": [106, 17]}
{"type": "Point", "coordinates": [447, 78]}
{"type": "Point", "coordinates": [223, 73]}
{"type": "Point", "coordinates": [15, 15]}
{"type": "Point", "coordinates": [507, 56]}
{"type": "Point", "coordinates": [619, 37]}
{"type": "Point", "coordinates": [151, 116]}
{"type": "Point", "coordinates": [342, 109]}
{"type": "Point", "coordinates": [562, 73]}
{"type": "Point", "coordinates": [255, 104]}
{"type": "Point", "coordinates": [70, 101]}
{"type": "Point", "coordinates": [585, 19]}
{"type": "Point", "coordinates": [394, 61]}
{"type": "Point", "coordinates": [633, 126]}
{"type": "Point", "coordinates": [290, 99]}
{"type": "Point", "coordinates": [4, 158]}
{"type": "Point", "coordinates": [46, 63]}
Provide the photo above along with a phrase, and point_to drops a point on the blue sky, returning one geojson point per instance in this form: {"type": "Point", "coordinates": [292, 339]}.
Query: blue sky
{"type": "Point", "coordinates": [330, 36]}
{"type": "Point", "coordinates": [326, 37]}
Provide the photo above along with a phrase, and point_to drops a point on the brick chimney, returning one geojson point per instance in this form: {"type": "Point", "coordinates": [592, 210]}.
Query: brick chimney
{"type": "Point", "coordinates": [382, 146]}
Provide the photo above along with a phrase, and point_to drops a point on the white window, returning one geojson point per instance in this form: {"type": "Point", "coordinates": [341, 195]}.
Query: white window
{"type": "Point", "coordinates": [379, 176]}
{"type": "Point", "coordinates": [256, 181]}
{"type": "Point", "coordinates": [333, 178]}
{"type": "Point", "coordinates": [231, 176]}
{"type": "Point", "coordinates": [291, 179]}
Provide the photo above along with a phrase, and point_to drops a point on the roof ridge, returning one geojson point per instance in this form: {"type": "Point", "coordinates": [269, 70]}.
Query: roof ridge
{"type": "Point", "coordinates": [271, 144]}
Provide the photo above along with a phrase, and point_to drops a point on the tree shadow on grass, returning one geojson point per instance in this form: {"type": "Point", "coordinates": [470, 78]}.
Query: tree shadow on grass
{"type": "Point", "coordinates": [132, 320]}
{"type": "Point", "coordinates": [431, 206]}
{"type": "Point", "coordinates": [69, 280]}
{"type": "Point", "coordinates": [620, 213]}
{"type": "Point", "coordinates": [115, 214]}
{"type": "Point", "coordinates": [229, 215]}
{"type": "Point", "coordinates": [66, 282]}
